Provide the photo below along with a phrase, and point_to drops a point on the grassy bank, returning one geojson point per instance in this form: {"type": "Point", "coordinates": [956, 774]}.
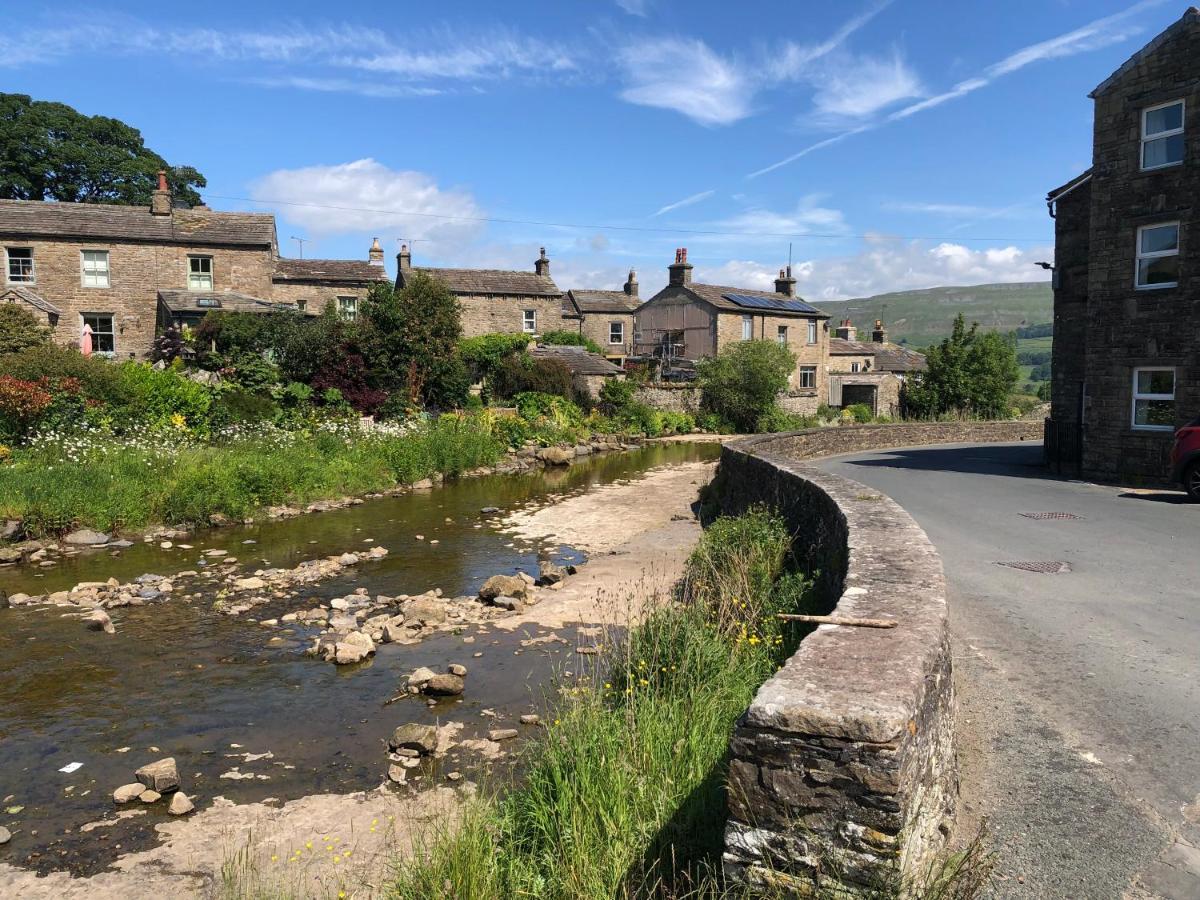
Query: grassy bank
{"type": "Point", "coordinates": [71, 480]}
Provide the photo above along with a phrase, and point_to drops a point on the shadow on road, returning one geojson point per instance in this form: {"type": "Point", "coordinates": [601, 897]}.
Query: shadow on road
{"type": "Point", "coordinates": [1176, 498]}
{"type": "Point", "coordinates": [1010, 460]}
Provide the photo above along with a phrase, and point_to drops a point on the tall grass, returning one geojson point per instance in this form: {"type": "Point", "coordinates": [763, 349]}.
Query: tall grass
{"type": "Point", "coordinates": [110, 484]}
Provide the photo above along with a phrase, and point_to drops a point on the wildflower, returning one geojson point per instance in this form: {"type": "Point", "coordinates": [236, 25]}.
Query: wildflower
{"type": "Point", "coordinates": [274, 858]}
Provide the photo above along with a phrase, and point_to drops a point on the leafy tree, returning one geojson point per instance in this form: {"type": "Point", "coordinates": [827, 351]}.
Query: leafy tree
{"type": "Point", "coordinates": [564, 338]}
{"type": "Point", "coordinates": [970, 374]}
{"type": "Point", "coordinates": [741, 383]}
{"type": "Point", "coordinates": [522, 373]}
{"type": "Point", "coordinates": [20, 329]}
{"type": "Point", "coordinates": [49, 151]}
{"type": "Point", "coordinates": [483, 353]}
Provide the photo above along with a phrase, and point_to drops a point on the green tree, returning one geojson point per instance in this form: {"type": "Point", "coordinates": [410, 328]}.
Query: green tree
{"type": "Point", "coordinates": [20, 329]}
{"type": "Point", "coordinates": [50, 151]}
{"type": "Point", "coordinates": [741, 383]}
{"type": "Point", "coordinates": [411, 340]}
{"type": "Point", "coordinates": [564, 338]}
{"type": "Point", "coordinates": [970, 373]}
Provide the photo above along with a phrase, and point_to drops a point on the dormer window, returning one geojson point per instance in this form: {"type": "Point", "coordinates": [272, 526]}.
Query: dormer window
{"type": "Point", "coordinates": [1162, 135]}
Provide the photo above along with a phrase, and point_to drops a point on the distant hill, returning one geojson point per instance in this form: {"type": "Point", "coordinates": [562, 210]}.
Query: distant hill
{"type": "Point", "coordinates": [924, 317]}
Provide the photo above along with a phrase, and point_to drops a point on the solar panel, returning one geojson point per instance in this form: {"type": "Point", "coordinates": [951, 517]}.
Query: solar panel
{"type": "Point", "coordinates": [771, 303]}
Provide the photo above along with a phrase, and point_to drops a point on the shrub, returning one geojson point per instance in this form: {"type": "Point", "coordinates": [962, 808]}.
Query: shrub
{"type": "Point", "coordinates": [483, 353]}
{"type": "Point", "coordinates": [168, 346]}
{"type": "Point", "coordinates": [533, 406]}
{"type": "Point", "coordinates": [235, 405]}
{"type": "Point", "coordinates": [252, 371]}
{"type": "Point", "coordinates": [741, 383]}
{"type": "Point", "coordinates": [776, 419]}
{"type": "Point", "coordinates": [99, 379]}
{"type": "Point", "coordinates": [158, 396]}
{"type": "Point", "coordinates": [859, 412]}
{"type": "Point", "coordinates": [564, 338]}
{"type": "Point", "coordinates": [523, 373]}
{"type": "Point", "coordinates": [349, 376]}
{"type": "Point", "coordinates": [20, 329]}
{"type": "Point", "coordinates": [22, 403]}
{"type": "Point", "coordinates": [969, 374]}
{"type": "Point", "coordinates": [615, 395]}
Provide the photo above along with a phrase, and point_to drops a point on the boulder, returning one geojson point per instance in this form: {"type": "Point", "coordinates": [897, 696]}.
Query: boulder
{"type": "Point", "coordinates": [343, 622]}
{"type": "Point", "coordinates": [9, 529]}
{"type": "Point", "coordinates": [556, 456]}
{"type": "Point", "coordinates": [414, 736]}
{"type": "Point", "coordinates": [348, 559]}
{"type": "Point", "coordinates": [10, 555]}
{"type": "Point", "coordinates": [5, 835]}
{"type": "Point", "coordinates": [85, 537]}
{"type": "Point", "coordinates": [161, 776]}
{"type": "Point", "coordinates": [396, 774]}
{"type": "Point", "coordinates": [503, 586]}
{"type": "Point", "coordinates": [347, 654]}
{"type": "Point", "coordinates": [181, 804]}
{"type": "Point", "coordinates": [530, 719]}
{"type": "Point", "coordinates": [127, 792]}
{"type": "Point", "coordinates": [502, 734]}
{"type": "Point", "coordinates": [360, 639]}
{"type": "Point", "coordinates": [447, 685]}
{"type": "Point", "coordinates": [100, 621]}
{"type": "Point", "coordinates": [393, 631]}
{"type": "Point", "coordinates": [512, 604]}
{"type": "Point", "coordinates": [457, 669]}
{"type": "Point", "coordinates": [420, 677]}
{"type": "Point", "coordinates": [550, 572]}
{"type": "Point", "coordinates": [426, 612]}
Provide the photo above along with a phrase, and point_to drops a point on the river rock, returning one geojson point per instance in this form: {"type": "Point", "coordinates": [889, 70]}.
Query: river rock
{"type": "Point", "coordinates": [161, 776]}
{"type": "Point", "coordinates": [556, 456]}
{"type": "Point", "coordinates": [348, 559]}
{"type": "Point", "coordinates": [512, 604]}
{"type": "Point", "coordinates": [447, 685]}
{"type": "Point", "coordinates": [100, 621]}
{"type": "Point", "coordinates": [550, 572]}
{"type": "Point", "coordinates": [10, 555]}
{"type": "Point", "coordinates": [343, 622]}
{"type": "Point", "coordinates": [420, 677]}
{"type": "Point", "coordinates": [252, 583]}
{"type": "Point", "coordinates": [128, 792]}
{"type": "Point", "coordinates": [530, 719]}
{"type": "Point", "coordinates": [457, 669]}
{"type": "Point", "coordinates": [503, 586]}
{"type": "Point", "coordinates": [181, 804]}
{"type": "Point", "coordinates": [85, 537]}
{"type": "Point", "coordinates": [426, 612]}
{"type": "Point", "coordinates": [414, 736]}
{"type": "Point", "coordinates": [392, 630]}
{"type": "Point", "coordinates": [149, 796]}
{"type": "Point", "coordinates": [5, 835]}
{"type": "Point", "coordinates": [347, 654]}
{"type": "Point", "coordinates": [502, 734]}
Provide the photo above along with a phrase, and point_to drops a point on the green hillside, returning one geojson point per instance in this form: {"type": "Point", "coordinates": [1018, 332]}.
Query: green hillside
{"type": "Point", "coordinates": [920, 318]}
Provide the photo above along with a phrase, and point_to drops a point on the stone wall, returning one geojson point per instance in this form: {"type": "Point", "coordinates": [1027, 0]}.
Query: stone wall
{"type": "Point", "coordinates": [596, 326]}
{"type": "Point", "coordinates": [683, 398]}
{"type": "Point", "coordinates": [845, 759]}
{"type": "Point", "coordinates": [315, 297]}
{"type": "Point", "coordinates": [489, 314]}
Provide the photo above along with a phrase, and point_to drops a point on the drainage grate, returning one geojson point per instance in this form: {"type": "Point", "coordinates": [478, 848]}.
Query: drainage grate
{"type": "Point", "coordinates": [1051, 567]}
{"type": "Point", "coordinates": [1051, 515]}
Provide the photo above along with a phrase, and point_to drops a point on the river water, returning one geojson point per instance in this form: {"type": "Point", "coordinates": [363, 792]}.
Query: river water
{"type": "Point", "coordinates": [180, 680]}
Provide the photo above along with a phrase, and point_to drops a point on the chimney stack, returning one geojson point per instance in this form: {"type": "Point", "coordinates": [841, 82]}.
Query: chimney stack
{"type": "Point", "coordinates": [375, 254]}
{"type": "Point", "coordinates": [785, 284]}
{"type": "Point", "coordinates": [879, 335]}
{"type": "Point", "coordinates": [680, 271]}
{"type": "Point", "coordinates": [846, 331]}
{"type": "Point", "coordinates": [631, 285]}
{"type": "Point", "coordinates": [403, 260]}
{"type": "Point", "coordinates": [160, 200]}
{"type": "Point", "coordinates": [541, 265]}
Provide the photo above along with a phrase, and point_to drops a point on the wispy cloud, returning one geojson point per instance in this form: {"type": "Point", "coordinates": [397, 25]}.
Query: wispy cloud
{"type": "Point", "coordinates": [953, 210]}
{"type": "Point", "coordinates": [634, 7]}
{"type": "Point", "coordinates": [686, 201]}
{"type": "Point", "coordinates": [1095, 35]}
{"type": "Point", "coordinates": [852, 89]}
{"type": "Point", "coordinates": [794, 59]}
{"type": "Point", "coordinates": [809, 215]}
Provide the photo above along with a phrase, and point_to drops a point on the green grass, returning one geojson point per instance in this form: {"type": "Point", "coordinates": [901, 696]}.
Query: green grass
{"type": "Point", "coordinates": [110, 484]}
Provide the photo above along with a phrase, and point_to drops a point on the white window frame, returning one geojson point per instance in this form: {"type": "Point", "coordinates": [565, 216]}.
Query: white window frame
{"type": "Point", "coordinates": [193, 282]}
{"type": "Point", "coordinates": [806, 371]}
{"type": "Point", "coordinates": [529, 321]}
{"type": "Point", "coordinates": [781, 335]}
{"type": "Point", "coordinates": [1138, 256]}
{"type": "Point", "coordinates": [617, 329]}
{"type": "Point", "coordinates": [1133, 423]}
{"type": "Point", "coordinates": [347, 306]}
{"type": "Point", "coordinates": [813, 336]}
{"type": "Point", "coordinates": [112, 317]}
{"type": "Point", "coordinates": [747, 328]}
{"type": "Point", "coordinates": [8, 275]}
{"type": "Point", "coordinates": [99, 278]}
{"type": "Point", "coordinates": [1162, 135]}
{"type": "Point", "coordinates": [855, 367]}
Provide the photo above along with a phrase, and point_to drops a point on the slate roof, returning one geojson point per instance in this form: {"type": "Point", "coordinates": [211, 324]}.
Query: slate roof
{"type": "Point", "coordinates": [33, 299]}
{"type": "Point", "coordinates": [589, 301]}
{"type": "Point", "coordinates": [712, 293]}
{"type": "Point", "coordinates": [578, 359]}
{"type": "Point", "coordinates": [494, 281]}
{"type": "Point", "coordinates": [227, 301]}
{"type": "Point", "coordinates": [348, 271]}
{"type": "Point", "coordinates": [36, 218]}
{"type": "Point", "coordinates": [888, 357]}
{"type": "Point", "coordinates": [1191, 16]}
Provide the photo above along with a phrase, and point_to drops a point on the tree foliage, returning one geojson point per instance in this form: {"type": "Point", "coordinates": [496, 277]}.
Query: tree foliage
{"type": "Point", "coordinates": [20, 329]}
{"type": "Point", "coordinates": [741, 383]}
{"type": "Point", "coordinates": [50, 151]}
{"type": "Point", "coordinates": [564, 338]}
{"type": "Point", "coordinates": [970, 374]}
{"type": "Point", "coordinates": [483, 353]}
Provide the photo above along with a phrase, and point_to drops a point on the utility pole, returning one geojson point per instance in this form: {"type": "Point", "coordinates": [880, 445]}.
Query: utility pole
{"type": "Point", "coordinates": [301, 242]}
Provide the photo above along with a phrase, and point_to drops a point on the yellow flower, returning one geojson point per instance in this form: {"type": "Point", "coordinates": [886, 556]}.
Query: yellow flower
{"type": "Point", "coordinates": [337, 859]}
{"type": "Point", "coordinates": [274, 858]}
{"type": "Point", "coordinates": [178, 420]}
{"type": "Point", "coordinates": [309, 845]}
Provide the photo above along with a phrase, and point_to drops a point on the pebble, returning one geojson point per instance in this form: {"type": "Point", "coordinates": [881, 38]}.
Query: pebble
{"type": "Point", "coordinates": [530, 719]}
{"type": "Point", "coordinates": [148, 796]}
{"type": "Point", "coordinates": [128, 792]}
{"type": "Point", "coordinates": [5, 835]}
{"type": "Point", "coordinates": [456, 669]}
{"type": "Point", "coordinates": [181, 804]}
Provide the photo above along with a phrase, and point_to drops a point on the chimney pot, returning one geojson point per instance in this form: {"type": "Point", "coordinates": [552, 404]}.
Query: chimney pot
{"type": "Point", "coordinates": [160, 199]}
{"type": "Point", "coordinates": [375, 254]}
{"type": "Point", "coordinates": [542, 265]}
{"type": "Point", "coordinates": [631, 284]}
{"type": "Point", "coordinates": [680, 271]}
{"type": "Point", "coordinates": [403, 263]}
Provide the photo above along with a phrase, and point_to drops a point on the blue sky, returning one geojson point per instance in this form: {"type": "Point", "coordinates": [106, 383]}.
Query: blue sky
{"type": "Point", "coordinates": [895, 145]}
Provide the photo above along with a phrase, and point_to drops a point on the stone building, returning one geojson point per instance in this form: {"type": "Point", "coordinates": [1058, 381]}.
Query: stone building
{"type": "Point", "coordinates": [313, 284]}
{"type": "Point", "coordinates": [125, 271]}
{"type": "Point", "coordinates": [607, 317]}
{"type": "Point", "coordinates": [869, 372]}
{"type": "Point", "coordinates": [497, 300]}
{"type": "Point", "coordinates": [1126, 359]}
{"type": "Point", "coordinates": [688, 320]}
{"type": "Point", "coordinates": [588, 370]}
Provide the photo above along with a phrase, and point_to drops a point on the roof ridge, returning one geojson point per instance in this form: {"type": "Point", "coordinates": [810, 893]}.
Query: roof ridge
{"type": "Point", "coordinates": [1191, 13]}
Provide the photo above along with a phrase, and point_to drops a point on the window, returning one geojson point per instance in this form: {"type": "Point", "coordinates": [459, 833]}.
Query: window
{"type": "Point", "coordinates": [200, 273]}
{"type": "Point", "coordinates": [94, 267]}
{"type": "Point", "coordinates": [812, 331]}
{"type": "Point", "coordinates": [1162, 135]}
{"type": "Point", "coordinates": [1154, 399]}
{"type": "Point", "coordinates": [104, 338]}
{"type": "Point", "coordinates": [616, 332]}
{"type": "Point", "coordinates": [747, 327]}
{"type": "Point", "coordinates": [20, 264]}
{"type": "Point", "coordinates": [529, 321]}
{"type": "Point", "coordinates": [854, 367]}
{"type": "Point", "coordinates": [781, 335]}
{"type": "Point", "coordinates": [808, 376]}
{"type": "Point", "coordinates": [348, 308]}
{"type": "Point", "coordinates": [1158, 256]}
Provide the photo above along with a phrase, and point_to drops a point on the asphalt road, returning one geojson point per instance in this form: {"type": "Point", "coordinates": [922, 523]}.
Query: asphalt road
{"type": "Point", "coordinates": [1079, 692]}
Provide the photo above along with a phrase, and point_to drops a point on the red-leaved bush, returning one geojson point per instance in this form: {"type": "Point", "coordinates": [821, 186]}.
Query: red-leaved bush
{"type": "Point", "coordinates": [22, 401]}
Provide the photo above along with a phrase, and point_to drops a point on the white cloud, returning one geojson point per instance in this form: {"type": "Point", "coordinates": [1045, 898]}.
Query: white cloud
{"type": "Point", "coordinates": [635, 7]}
{"type": "Point", "coordinates": [687, 76]}
{"type": "Point", "coordinates": [809, 217]}
{"type": "Point", "coordinates": [686, 201]}
{"type": "Point", "coordinates": [854, 88]}
{"type": "Point", "coordinates": [954, 210]}
{"type": "Point", "coordinates": [366, 197]}
{"type": "Point", "coordinates": [793, 60]}
{"type": "Point", "coordinates": [743, 273]}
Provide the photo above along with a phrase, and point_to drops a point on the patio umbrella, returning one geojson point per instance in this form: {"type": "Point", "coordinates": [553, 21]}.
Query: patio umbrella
{"type": "Point", "coordinates": [85, 343]}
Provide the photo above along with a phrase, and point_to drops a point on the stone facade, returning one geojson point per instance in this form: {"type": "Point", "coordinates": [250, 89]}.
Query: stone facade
{"type": "Point", "coordinates": [1107, 326]}
{"type": "Point", "coordinates": [606, 317]}
{"type": "Point", "coordinates": [684, 398]}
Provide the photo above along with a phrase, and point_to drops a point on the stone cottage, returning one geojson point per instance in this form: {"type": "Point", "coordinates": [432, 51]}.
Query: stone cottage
{"type": "Point", "coordinates": [688, 320]}
{"type": "Point", "coordinates": [607, 317]}
{"type": "Point", "coordinates": [314, 284]}
{"type": "Point", "coordinates": [1126, 359]}
{"type": "Point", "coordinates": [588, 370]}
{"type": "Point", "coordinates": [870, 372]}
{"type": "Point", "coordinates": [496, 300]}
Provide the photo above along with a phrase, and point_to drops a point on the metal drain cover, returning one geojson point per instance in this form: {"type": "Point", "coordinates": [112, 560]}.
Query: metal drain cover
{"type": "Point", "coordinates": [1043, 567]}
{"type": "Point", "coordinates": [1051, 515]}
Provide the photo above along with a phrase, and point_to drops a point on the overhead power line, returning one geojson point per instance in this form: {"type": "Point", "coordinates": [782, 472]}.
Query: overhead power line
{"type": "Point", "coordinates": [632, 228]}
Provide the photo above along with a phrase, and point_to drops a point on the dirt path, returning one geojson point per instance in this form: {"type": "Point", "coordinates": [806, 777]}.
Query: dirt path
{"type": "Point", "coordinates": [638, 533]}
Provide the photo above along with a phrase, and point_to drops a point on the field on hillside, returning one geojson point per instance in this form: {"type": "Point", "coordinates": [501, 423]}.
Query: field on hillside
{"type": "Point", "coordinates": [920, 318]}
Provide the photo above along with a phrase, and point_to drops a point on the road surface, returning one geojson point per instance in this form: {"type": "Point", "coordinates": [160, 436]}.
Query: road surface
{"type": "Point", "coordinates": [1079, 692]}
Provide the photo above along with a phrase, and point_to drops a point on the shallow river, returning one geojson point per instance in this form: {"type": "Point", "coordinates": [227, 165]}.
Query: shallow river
{"type": "Point", "coordinates": [179, 680]}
